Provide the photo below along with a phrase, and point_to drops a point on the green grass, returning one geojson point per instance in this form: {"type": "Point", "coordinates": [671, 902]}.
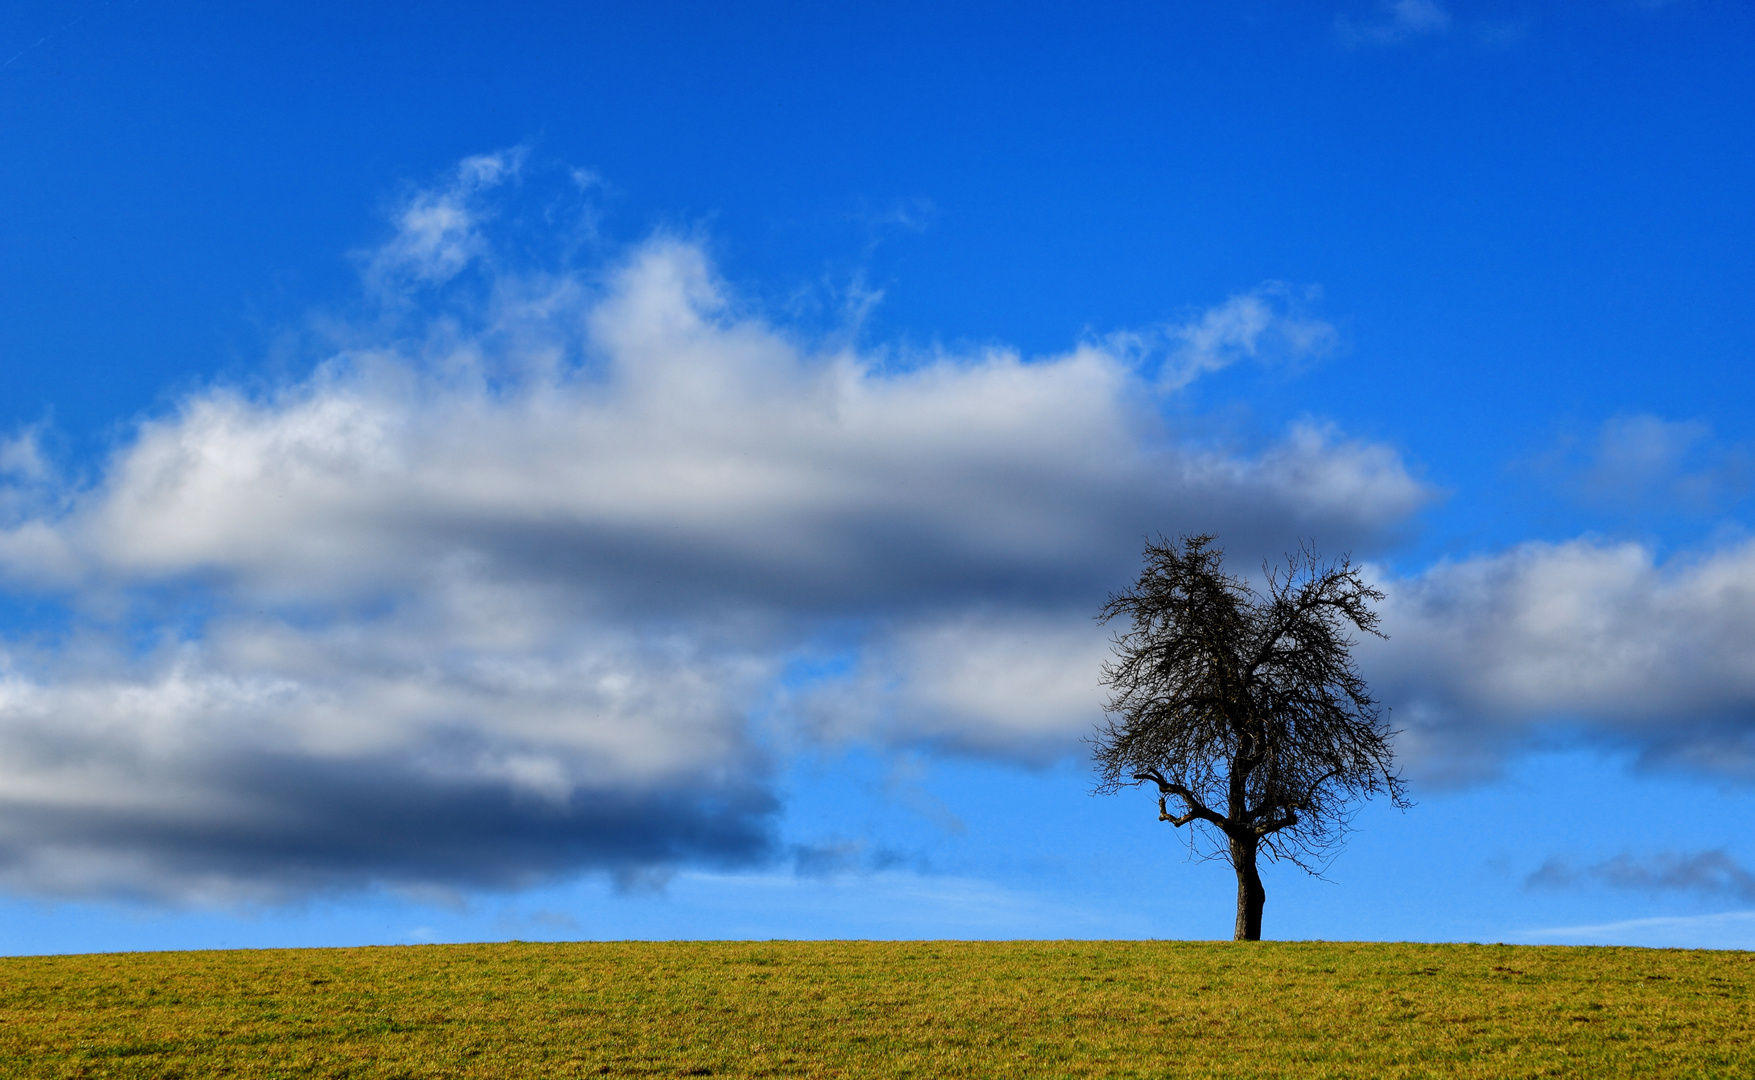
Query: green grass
{"type": "Point", "coordinates": [855, 1009]}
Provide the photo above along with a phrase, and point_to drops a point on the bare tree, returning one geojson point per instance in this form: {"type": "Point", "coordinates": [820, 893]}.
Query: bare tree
{"type": "Point", "coordinates": [1245, 707]}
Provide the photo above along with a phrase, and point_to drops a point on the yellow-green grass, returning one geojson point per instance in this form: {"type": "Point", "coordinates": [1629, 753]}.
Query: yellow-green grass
{"type": "Point", "coordinates": [855, 1009]}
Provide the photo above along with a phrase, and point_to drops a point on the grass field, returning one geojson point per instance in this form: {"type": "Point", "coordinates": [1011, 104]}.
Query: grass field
{"type": "Point", "coordinates": [855, 1009]}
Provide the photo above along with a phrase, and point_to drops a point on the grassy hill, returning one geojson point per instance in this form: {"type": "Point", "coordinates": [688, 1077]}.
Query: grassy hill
{"type": "Point", "coordinates": [856, 1009]}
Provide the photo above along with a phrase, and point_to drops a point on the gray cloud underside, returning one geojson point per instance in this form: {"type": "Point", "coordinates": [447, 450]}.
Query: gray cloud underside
{"type": "Point", "coordinates": [274, 827]}
{"type": "Point", "coordinates": [1711, 873]}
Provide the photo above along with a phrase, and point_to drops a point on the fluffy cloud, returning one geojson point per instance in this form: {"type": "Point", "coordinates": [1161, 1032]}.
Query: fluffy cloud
{"type": "Point", "coordinates": [516, 583]}
{"type": "Point", "coordinates": [1576, 639]}
{"type": "Point", "coordinates": [995, 682]}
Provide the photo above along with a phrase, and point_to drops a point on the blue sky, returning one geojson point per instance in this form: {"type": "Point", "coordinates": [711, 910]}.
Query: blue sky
{"type": "Point", "coordinates": [605, 471]}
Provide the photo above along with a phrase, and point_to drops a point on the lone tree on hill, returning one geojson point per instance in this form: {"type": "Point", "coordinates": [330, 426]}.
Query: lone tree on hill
{"type": "Point", "coordinates": [1245, 707]}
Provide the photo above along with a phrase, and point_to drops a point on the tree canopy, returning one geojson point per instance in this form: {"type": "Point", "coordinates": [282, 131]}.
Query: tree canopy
{"type": "Point", "coordinates": [1245, 707]}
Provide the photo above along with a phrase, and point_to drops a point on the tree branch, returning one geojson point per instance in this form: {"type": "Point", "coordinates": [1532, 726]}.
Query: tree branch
{"type": "Point", "coordinates": [1179, 822]}
{"type": "Point", "coordinates": [1196, 808]}
{"type": "Point", "coordinates": [1310, 792]}
{"type": "Point", "coordinates": [1276, 825]}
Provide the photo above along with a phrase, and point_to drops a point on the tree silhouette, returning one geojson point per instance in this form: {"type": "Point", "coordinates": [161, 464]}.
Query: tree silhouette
{"type": "Point", "coordinates": [1245, 707]}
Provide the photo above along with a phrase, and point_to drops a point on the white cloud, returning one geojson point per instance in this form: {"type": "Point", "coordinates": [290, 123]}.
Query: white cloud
{"type": "Point", "coordinates": [496, 596]}
{"type": "Point", "coordinates": [699, 450]}
{"type": "Point", "coordinates": [1590, 638]}
{"type": "Point", "coordinates": [1014, 684]}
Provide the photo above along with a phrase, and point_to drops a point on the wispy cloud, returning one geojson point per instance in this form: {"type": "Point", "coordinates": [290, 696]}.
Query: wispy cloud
{"type": "Point", "coordinates": [1720, 930]}
{"type": "Point", "coordinates": [1642, 460]}
{"type": "Point", "coordinates": [438, 230]}
{"type": "Point", "coordinates": [1267, 324]}
{"type": "Point", "coordinates": [21, 457]}
{"type": "Point", "coordinates": [897, 903]}
{"type": "Point", "coordinates": [1393, 22]}
{"type": "Point", "coordinates": [1634, 452]}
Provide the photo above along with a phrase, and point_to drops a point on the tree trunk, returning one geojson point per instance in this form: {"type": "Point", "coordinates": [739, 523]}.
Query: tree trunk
{"type": "Point", "coordinates": [1250, 895]}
